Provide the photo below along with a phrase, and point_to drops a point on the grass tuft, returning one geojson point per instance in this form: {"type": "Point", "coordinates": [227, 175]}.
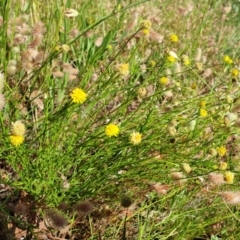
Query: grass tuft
{"type": "Point", "coordinates": [107, 99]}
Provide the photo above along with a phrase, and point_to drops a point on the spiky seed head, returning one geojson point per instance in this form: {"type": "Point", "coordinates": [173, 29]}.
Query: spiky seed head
{"type": "Point", "coordinates": [21, 209]}
{"type": "Point", "coordinates": [57, 220]}
{"type": "Point", "coordinates": [126, 201]}
{"type": "Point", "coordinates": [84, 207]}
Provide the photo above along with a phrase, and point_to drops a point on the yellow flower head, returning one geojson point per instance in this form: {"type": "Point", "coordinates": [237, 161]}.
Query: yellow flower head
{"type": "Point", "coordinates": [146, 24]}
{"type": "Point", "coordinates": [173, 38]}
{"type": "Point", "coordinates": [186, 60]}
{"type": "Point", "coordinates": [123, 69]}
{"type": "Point", "coordinates": [142, 91]}
{"type": "Point", "coordinates": [16, 140]}
{"type": "Point", "coordinates": [213, 152]}
{"type": "Point", "coordinates": [234, 72]}
{"type": "Point", "coordinates": [203, 112]}
{"type": "Point", "coordinates": [229, 177]}
{"type": "Point", "coordinates": [109, 47]}
{"type": "Point", "coordinates": [152, 63]}
{"type": "Point", "coordinates": [223, 166]}
{"type": "Point", "coordinates": [78, 96]}
{"type": "Point", "coordinates": [65, 48]}
{"type": "Point", "coordinates": [221, 151]}
{"type": "Point", "coordinates": [135, 138]}
{"type": "Point", "coordinates": [199, 66]}
{"type": "Point", "coordinates": [58, 48]}
{"type": "Point", "coordinates": [193, 86]}
{"type": "Point", "coordinates": [145, 31]}
{"type": "Point", "coordinates": [202, 104]}
{"type": "Point", "coordinates": [171, 59]}
{"type": "Point", "coordinates": [172, 130]}
{"type": "Point", "coordinates": [164, 80]}
{"type": "Point", "coordinates": [227, 59]}
{"type": "Point", "coordinates": [18, 128]}
{"type": "Point", "coordinates": [186, 167]}
{"type": "Point", "coordinates": [112, 130]}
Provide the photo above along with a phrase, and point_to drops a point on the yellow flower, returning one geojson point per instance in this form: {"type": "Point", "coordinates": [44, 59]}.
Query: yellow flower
{"type": "Point", "coordinates": [123, 69]}
{"type": "Point", "coordinates": [18, 128]}
{"type": "Point", "coordinates": [171, 59]}
{"type": "Point", "coordinates": [109, 47]}
{"type": "Point", "coordinates": [58, 48]}
{"type": "Point", "coordinates": [172, 130]}
{"type": "Point", "coordinates": [199, 66]}
{"type": "Point", "coordinates": [16, 140]}
{"type": "Point", "coordinates": [135, 138]}
{"type": "Point", "coordinates": [223, 166]}
{"type": "Point", "coordinates": [164, 80]}
{"type": "Point", "coordinates": [186, 167]}
{"type": "Point", "coordinates": [186, 60]}
{"type": "Point", "coordinates": [234, 72]}
{"type": "Point", "coordinates": [65, 48]}
{"type": "Point", "coordinates": [227, 59]}
{"type": "Point", "coordinates": [203, 112]}
{"type": "Point", "coordinates": [146, 24]}
{"type": "Point", "coordinates": [142, 91]}
{"type": "Point", "coordinates": [202, 104]}
{"type": "Point", "coordinates": [193, 86]}
{"type": "Point", "coordinates": [152, 63]}
{"type": "Point", "coordinates": [112, 130]}
{"type": "Point", "coordinates": [145, 31]}
{"type": "Point", "coordinates": [213, 152]}
{"type": "Point", "coordinates": [221, 151]}
{"type": "Point", "coordinates": [229, 177]}
{"type": "Point", "coordinates": [173, 38]}
{"type": "Point", "coordinates": [78, 96]}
